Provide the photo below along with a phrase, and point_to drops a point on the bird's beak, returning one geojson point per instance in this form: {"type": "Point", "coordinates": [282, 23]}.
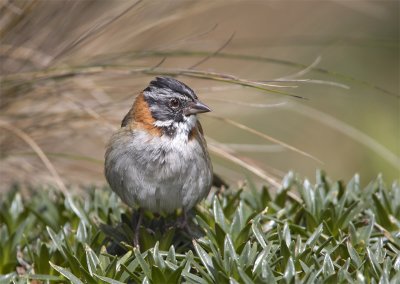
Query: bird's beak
{"type": "Point", "coordinates": [195, 107]}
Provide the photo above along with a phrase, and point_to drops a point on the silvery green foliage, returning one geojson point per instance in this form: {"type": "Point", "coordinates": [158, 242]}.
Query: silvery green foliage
{"type": "Point", "coordinates": [303, 233]}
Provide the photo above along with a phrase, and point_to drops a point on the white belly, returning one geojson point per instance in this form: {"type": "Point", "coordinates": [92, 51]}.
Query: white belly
{"type": "Point", "coordinates": [158, 173]}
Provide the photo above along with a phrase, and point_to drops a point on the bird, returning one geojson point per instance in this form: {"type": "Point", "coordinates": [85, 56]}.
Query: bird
{"type": "Point", "coordinates": [158, 160]}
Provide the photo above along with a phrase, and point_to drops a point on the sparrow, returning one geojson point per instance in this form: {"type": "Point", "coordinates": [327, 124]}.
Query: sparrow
{"type": "Point", "coordinates": [158, 160]}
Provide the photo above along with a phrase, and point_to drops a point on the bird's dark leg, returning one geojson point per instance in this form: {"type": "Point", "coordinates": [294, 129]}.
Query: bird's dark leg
{"type": "Point", "coordinates": [137, 229]}
{"type": "Point", "coordinates": [185, 219]}
{"type": "Point", "coordinates": [183, 222]}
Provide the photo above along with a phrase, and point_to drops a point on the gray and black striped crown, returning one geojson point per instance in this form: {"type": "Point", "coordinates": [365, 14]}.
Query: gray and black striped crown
{"type": "Point", "coordinates": [173, 85]}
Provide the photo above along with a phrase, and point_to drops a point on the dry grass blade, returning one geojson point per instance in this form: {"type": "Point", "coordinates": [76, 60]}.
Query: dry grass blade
{"type": "Point", "coordinates": [192, 36]}
{"type": "Point", "coordinates": [240, 103]}
{"type": "Point", "coordinates": [227, 78]}
{"type": "Point", "coordinates": [180, 53]}
{"type": "Point", "coordinates": [217, 149]}
{"type": "Point", "coordinates": [95, 30]}
{"type": "Point", "coordinates": [349, 131]}
{"type": "Point", "coordinates": [91, 112]}
{"type": "Point", "coordinates": [62, 73]}
{"type": "Point", "coordinates": [255, 148]}
{"type": "Point", "coordinates": [292, 78]}
{"type": "Point", "coordinates": [11, 15]}
{"type": "Point", "coordinates": [320, 82]}
{"type": "Point", "coordinates": [37, 57]}
{"type": "Point", "coordinates": [264, 136]}
{"type": "Point", "coordinates": [215, 53]}
{"type": "Point", "coordinates": [159, 63]}
{"type": "Point", "coordinates": [220, 151]}
{"type": "Point", "coordinates": [303, 71]}
{"type": "Point", "coordinates": [35, 147]}
{"type": "Point", "coordinates": [67, 156]}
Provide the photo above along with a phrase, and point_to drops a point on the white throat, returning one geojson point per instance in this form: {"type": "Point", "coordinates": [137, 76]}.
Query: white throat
{"type": "Point", "coordinates": [182, 128]}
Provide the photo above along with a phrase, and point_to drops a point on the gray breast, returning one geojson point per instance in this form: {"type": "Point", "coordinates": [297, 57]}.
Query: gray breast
{"type": "Point", "coordinates": [158, 173]}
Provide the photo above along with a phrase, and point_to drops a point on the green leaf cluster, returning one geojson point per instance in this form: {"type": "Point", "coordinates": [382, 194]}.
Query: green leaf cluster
{"type": "Point", "coordinates": [303, 233]}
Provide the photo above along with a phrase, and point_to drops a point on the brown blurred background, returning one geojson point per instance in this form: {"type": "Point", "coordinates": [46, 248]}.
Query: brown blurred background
{"type": "Point", "coordinates": [70, 71]}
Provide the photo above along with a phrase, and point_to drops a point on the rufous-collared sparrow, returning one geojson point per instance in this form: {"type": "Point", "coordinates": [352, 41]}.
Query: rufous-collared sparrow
{"type": "Point", "coordinates": [158, 159]}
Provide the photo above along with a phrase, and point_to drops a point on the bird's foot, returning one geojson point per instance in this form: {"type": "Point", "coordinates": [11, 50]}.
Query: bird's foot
{"type": "Point", "coordinates": [183, 222]}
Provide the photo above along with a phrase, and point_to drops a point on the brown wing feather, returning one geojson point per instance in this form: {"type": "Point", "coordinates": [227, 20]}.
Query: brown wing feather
{"type": "Point", "coordinates": [197, 133]}
{"type": "Point", "coordinates": [128, 118]}
{"type": "Point", "coordinates": [200, 128]}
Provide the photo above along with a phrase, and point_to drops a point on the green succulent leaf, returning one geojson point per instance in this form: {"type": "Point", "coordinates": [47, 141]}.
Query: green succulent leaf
{"type": "Point", "coordinates": [329, 233]}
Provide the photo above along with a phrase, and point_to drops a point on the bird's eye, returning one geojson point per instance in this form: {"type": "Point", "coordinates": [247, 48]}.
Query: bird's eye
{"type": "Point", "coordinates": [174, 103]}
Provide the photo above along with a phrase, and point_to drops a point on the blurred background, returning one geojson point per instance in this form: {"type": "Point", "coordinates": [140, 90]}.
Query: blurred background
{"type": "Point", "coordinates": [71, 69]}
